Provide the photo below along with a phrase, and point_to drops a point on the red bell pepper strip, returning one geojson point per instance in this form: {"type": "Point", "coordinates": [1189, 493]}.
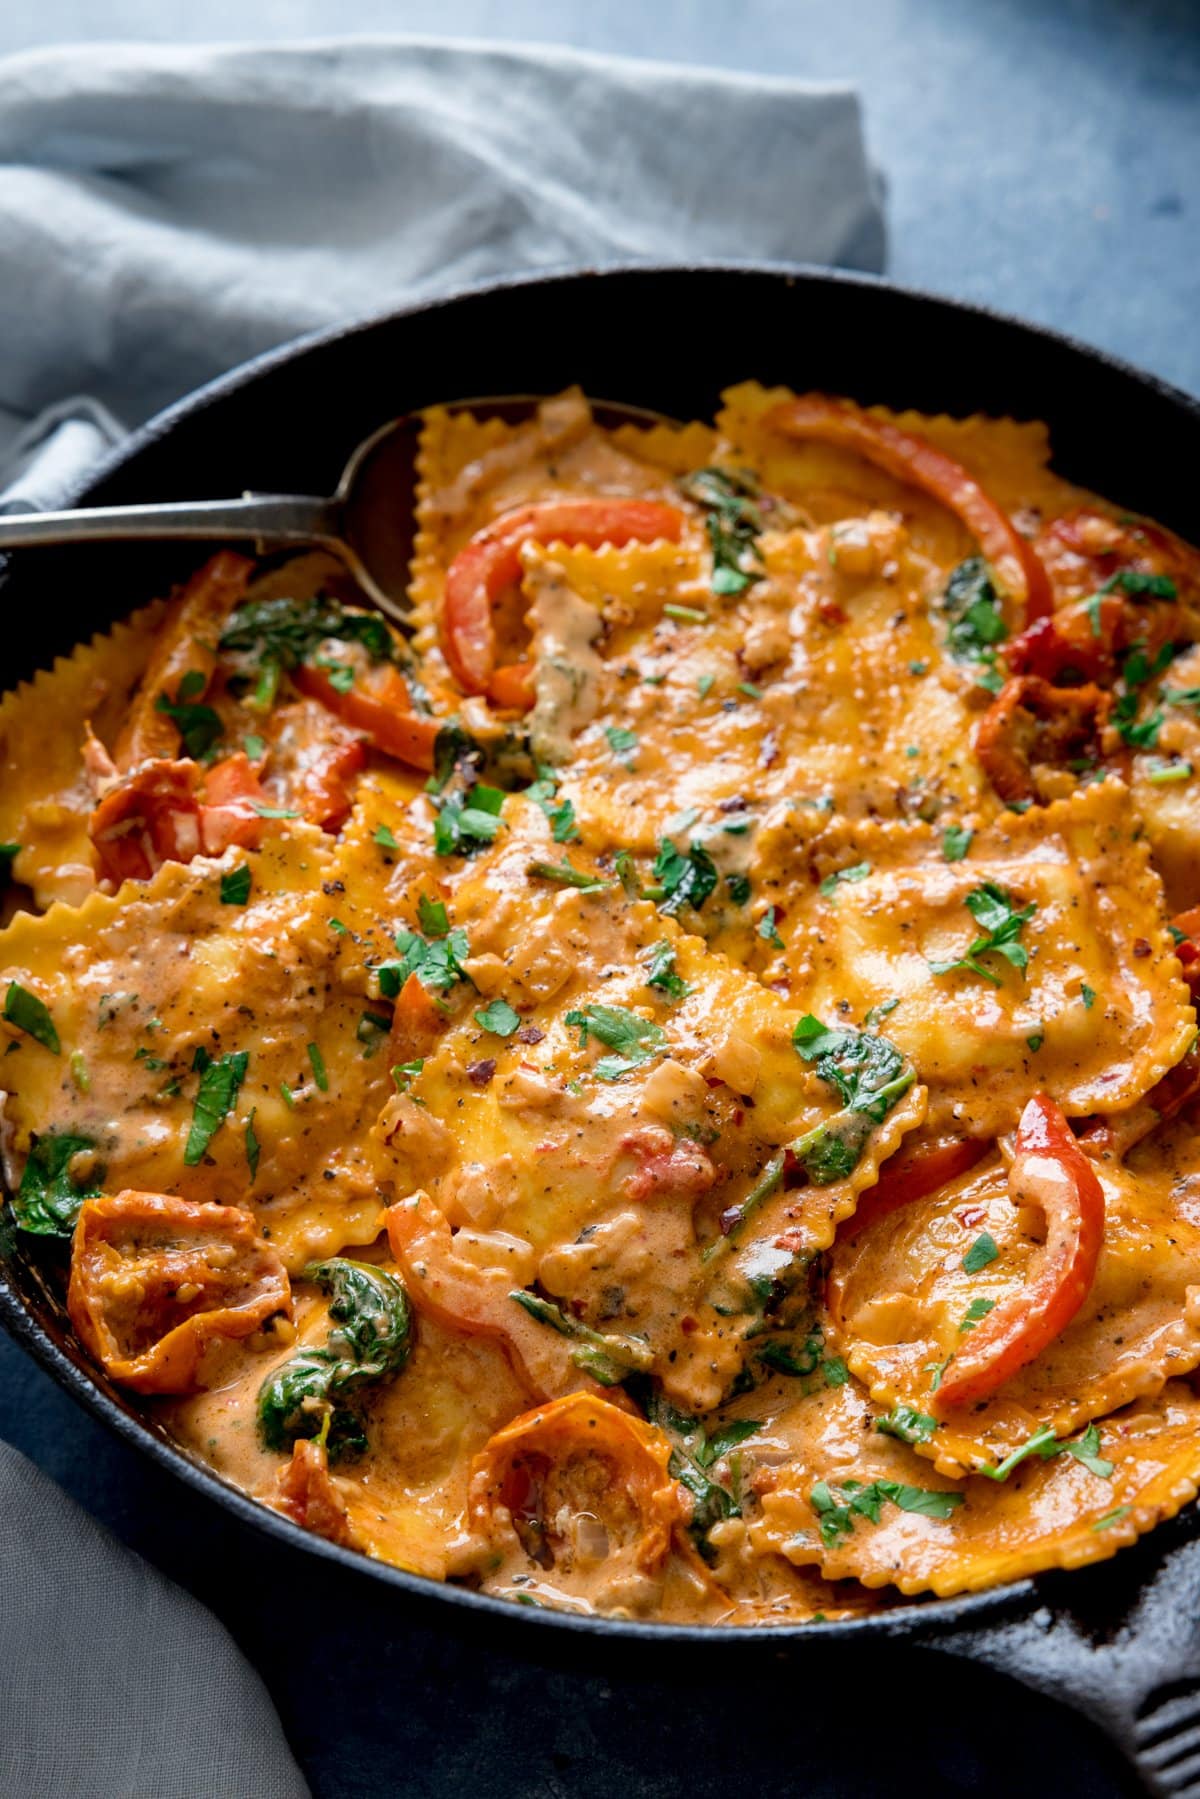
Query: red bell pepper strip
{"type": "Point", "coordinates": [910, 1175]}
{"type": "Point", "coordinates": [381, 706]}
{"type": "Point", "coordinates": [1050, 1170]}
{"type": "Point", "coordinates": [911, 459]}
{"type": "Point", "coordinates": [491, 562]}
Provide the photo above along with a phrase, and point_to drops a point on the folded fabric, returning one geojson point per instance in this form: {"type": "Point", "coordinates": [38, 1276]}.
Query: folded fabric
{"type": "Point", "coordinates": [167, 213]}
{"type": "Point", "coordinates": [117, 1684]}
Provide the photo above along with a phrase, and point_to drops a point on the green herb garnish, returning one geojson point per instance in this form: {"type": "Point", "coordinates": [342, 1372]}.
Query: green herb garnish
{"type": "Point", "coordinates": [216, 1097]}
{"type": "Point", "coordinates": [31, 1015]}
{"type": "Point", "coordinates": [1002, 924]}
{"type": "Point", "coordinates": [634, 1040]}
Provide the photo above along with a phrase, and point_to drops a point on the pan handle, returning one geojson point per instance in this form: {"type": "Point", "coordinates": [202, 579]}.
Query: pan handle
{"type": "Point", "coordinates": [1134, 1671]}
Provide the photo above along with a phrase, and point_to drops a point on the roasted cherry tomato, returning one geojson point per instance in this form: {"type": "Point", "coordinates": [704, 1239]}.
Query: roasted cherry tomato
{"type": "Point", "coordinates": [579, 1456]}
{"type": "Point", "coordinates": [155, 1279]}
{"type": "Point", "coordinates": [1031, 722]}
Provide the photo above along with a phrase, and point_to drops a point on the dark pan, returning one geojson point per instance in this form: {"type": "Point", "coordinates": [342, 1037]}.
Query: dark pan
{"type": "Point", "coordinates": [1121, 1640]}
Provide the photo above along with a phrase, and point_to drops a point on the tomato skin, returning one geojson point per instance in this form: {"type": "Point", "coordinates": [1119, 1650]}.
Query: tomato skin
{"type": "Point", "coordinates": [1083, 548]}
{"type": "Point", "coordinates": [133, 1320]}
{"type": "Point", "coordinates": [1030, 715]}
{"type": "Point", "coordinates": [146, 818]}
{"type": "Point", "coordinates": [416, 1022]}
{"type": "Point", "coordinates": [232, 792]}
{"type": "Point", "coordinates": [517, 1467]}
{"type": "Point", "coordinates": [1050, 1169]}
{"type": "Point", "coordinates": [383, 710]}
{"type": "Point", "coordinates": [491, 562]}
{"type": "Point", "coordinates": [911, 459]}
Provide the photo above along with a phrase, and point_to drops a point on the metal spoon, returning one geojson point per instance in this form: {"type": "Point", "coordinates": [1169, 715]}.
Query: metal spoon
{"type": "Point", "coordinates": [366, 523]}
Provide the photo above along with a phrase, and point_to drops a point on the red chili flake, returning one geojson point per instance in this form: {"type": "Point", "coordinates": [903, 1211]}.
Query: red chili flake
{"type": "Point", "coordinates": [480, 1073]}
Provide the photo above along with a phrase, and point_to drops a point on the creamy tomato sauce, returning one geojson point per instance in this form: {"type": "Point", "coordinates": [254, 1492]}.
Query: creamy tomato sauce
{"type": "Point", "coordinates": [673, 1093]}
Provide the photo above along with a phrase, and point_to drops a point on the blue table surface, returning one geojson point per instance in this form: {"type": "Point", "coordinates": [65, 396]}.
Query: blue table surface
{"type": "Point", "coordinates": [1040, 157]}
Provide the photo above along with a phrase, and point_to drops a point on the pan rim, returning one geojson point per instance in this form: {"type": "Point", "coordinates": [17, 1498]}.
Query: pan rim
{"type": "Point", "coordinates": [924, 1618]}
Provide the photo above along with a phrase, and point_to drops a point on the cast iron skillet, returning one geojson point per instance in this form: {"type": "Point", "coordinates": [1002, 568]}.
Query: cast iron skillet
{"type": "Point", "coordinates": [1121, 1641]}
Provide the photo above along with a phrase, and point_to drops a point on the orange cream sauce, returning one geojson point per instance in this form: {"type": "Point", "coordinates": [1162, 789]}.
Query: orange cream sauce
{"type": "Point", "coordinates": [569, 1096]}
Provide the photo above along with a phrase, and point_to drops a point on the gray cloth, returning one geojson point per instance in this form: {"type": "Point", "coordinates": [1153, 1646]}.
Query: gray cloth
{"type": "Point", "coordinates": [116, 1684]}
{"type": "Point", "coordinates": [165, 214]}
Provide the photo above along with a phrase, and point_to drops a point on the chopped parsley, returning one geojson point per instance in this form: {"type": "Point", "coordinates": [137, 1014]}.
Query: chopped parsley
{"type": "Point", "coordinates": [8, 855]}
{"type": "Point", "coordinates": [280, 634]}
{"type": "Point", "coordinates": [981, 1253]}
{"type": "Point", "coordinates": [235, 885]}
{"type": "Point", "coordinates": [634, 1040]}
{"type": "Point", "coordinates": [975, 1313]}
{"type": "Point", "coordinates": [561, 813]}
{"type": "Point", "coordinates": [733, 522]}
{"type": "Point", "coordinates": [1088, 996]}
{"type": "Point", "coordinates": [433, 916]}
{"type": "Point", "coordinates": [317, 1064]}
{"type": "Point", "coordinates": [1002, 923]}
{"type": "Point", "coordinates": [466, 821]}
{"type": "Point", "coordinates": [499, 1018]}
{"type": "Point", "coordinates": [767, 928]}
{"type": "Point", "coordinates": [686, 615]}
{"type": "Point", "coordinates": [1114, 1517]}
{"type": "Point", "coordinates": [31, 1015]}
{"type": "Point", "coordinates": [905, 1422]}
{"type": "Point", "coordinates": [198, 725]}
{"type": "Point", "coordinates": [868, 1074]}
{"type": "Point", "coordinates": [437, 962]}
{"type": "Point", "coordinates": [956, 841]}
{"type": "Point", "coordinates": [837, 1516]}
{"type": "Point", "coordinates": [739, 888]}
{"type": "Point", "coordinates": [684, 880]}
{"type": "Point", "coordinates": [215, 1098]}
{"type": "Point", "coordinates": [622, 743]}
{"type": "Point", "coordinates": [704, 685]}
{"type": "Point", "coordinates": [1133, 581]}
{"type": "Point", "coordinates": [1044, 1444]}
{"type": "Point", "coordinates": [976, 622]}
{"type": "Point", "coordinates": [48, 1199]}
{"type": "Point", "coordinates": [385, 837]}
{"type": "Point", "coordinates": [660, 972]}
{"type": "Point", "coordinates": [858, 872]}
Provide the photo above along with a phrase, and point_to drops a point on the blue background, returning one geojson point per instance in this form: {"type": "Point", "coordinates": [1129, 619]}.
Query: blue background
{"type": "Point", "coordinates": [1040, 157]}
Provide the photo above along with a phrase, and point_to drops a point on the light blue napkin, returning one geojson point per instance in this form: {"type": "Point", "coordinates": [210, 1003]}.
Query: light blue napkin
{"type": "Point", "coordinates": [165, 214]}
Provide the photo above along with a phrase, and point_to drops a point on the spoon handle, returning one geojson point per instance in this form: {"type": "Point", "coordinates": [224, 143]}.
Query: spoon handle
{"type": "Point", "coordinates": [271, 519]}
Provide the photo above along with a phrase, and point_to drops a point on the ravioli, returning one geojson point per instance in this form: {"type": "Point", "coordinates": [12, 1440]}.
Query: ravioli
{"type": "Point", "coordinates": [45, 799]}
{"type": "Point", "coordinates": [1048, 1514]}
{"type": "Point", "coordinates": [138, 983]}
{"type": "Point", "coordinates": [596, 1170]}
{"type": "Point", "coordinates": [901, 1299]}
{"type": "Point", "coordinates": [1095, 1015]}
